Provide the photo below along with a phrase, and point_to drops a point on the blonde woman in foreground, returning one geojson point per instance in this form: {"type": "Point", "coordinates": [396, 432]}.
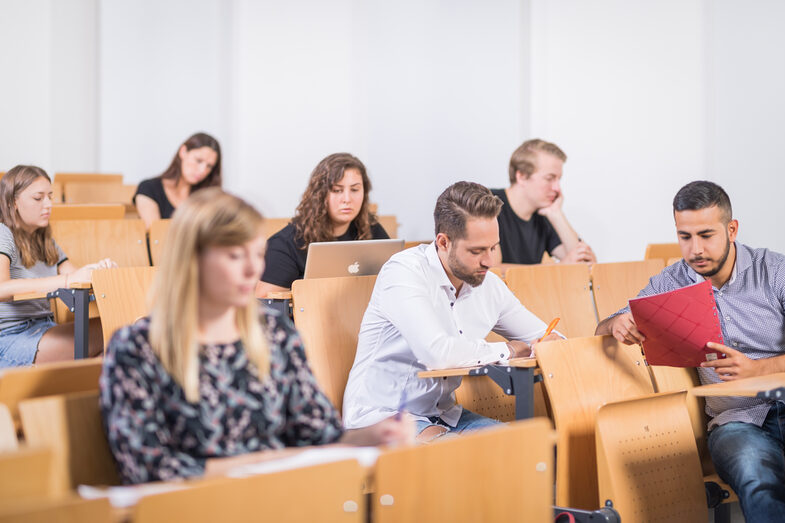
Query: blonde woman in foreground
{"type": "Point", "coordinates": [208, 378]}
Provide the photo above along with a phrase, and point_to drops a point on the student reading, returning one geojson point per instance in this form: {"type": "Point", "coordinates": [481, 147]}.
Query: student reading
{"type": "Point", "coordinates": [33, 262]}
{"type": "Point", "coordinates": [333, 207]}
{"type": "Point", "coordinates": [196, 165]}
{"type": "Point", "coordinates": [207, 379]}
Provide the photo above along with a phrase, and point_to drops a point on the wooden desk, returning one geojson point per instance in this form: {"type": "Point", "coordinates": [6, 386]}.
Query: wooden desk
{"type": "Point", "coordinates": [771, 386]}
{"type": "Point", "coordinates": [77, 298]}
{"type": "Point", "coordinates": [515, 379]}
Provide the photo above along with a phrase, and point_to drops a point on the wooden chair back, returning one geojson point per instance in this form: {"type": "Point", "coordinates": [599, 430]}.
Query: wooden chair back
{"type": "Point", "coordinates": [675, 379]}
{"type": "Point", "coordinates": [72, 427]}
{"type": "Point", "coordinates": [88, 178]}
{"type": "Point", "coordinates": [410, 244]}
{"type": "Point", "coordinates": [57, 192]}
{"type": "Point", "coordinates": [647, 460]}
{"type": "Point", "coordinates": [89, 192]}
{"type": "Point", "coordinates": [673, 260]}
{"type": "Point", "coordinates": [87, 241]}
{"type": "Point", "coordinates": [21, 383]}
{"type": "Point", "coordinates": [580, 375]}
{"type": "Point", "coordinates": [390, 224]}
{"type": "Point", "coordinates": [67, 510]}
{"type": "Point", "coordinates": [271, 226]}
{"type": "Point", "coordinates": [328, 313]}
{"type": "Point", "coordinates": [333, 493]}
{"type": "Point", "coordinates": [615, 283]}
{"type": "Point", "coordinates": [157, 239]}
{"type": "Point", "coordinates": [559, 290]}
{"type": "Point", "coordinates": [27, 474]}
{"type": "Point", "coordinates": [8, 440]}
{"type": "Point", "coordinates": [482, 476]}
{"type": "Point", "coordinates": [664, 251]}
{"type": "Point", "coordinates": [87, 211]}
{"type": "Point", "coordinates": [121, 295]}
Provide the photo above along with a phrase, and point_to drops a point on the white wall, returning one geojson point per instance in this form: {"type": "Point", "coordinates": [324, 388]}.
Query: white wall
{"type": "Point", "coordinates": [48, 109]}
{"type": "Point", "coordinates": [643, 97]}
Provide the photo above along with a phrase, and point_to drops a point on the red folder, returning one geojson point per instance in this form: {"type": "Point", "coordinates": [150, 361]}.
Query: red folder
{"type": "Point", "coordinates": [678, 324]}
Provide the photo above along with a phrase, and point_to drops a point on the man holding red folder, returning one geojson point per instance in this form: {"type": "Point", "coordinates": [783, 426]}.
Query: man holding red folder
{"type": "Point", "coordinates": [746, 435]}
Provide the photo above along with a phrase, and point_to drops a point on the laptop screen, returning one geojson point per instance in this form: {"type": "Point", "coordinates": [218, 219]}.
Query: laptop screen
{"type": "Point", "coordinates": [353, 258]}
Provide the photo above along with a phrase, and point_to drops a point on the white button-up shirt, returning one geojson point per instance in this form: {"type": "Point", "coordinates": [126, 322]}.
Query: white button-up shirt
{"type": "Point", "coordinates": [416, 322]}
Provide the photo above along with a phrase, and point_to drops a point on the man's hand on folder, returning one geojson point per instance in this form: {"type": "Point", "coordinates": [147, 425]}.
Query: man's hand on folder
{"type": "Point", "coordinates": [736, 365]}
{"type": "Point", "coordinates": [624, 329]}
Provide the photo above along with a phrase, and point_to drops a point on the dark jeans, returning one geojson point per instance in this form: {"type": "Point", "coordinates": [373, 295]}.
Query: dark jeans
{"type": "Point", "coordinates": [751, 460]}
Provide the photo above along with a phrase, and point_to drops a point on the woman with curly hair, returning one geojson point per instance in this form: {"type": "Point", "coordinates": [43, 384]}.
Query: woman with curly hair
{"type": "Point", "coordinates": [334, 207]}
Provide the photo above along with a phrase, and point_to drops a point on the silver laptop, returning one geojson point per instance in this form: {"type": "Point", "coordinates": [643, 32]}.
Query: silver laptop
{"type": "Point", "coordinates": [355, 258]}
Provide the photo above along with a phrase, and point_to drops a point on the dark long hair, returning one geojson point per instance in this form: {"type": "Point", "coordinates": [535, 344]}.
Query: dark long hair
{"type": "Point", "coordinates": [32, 247]}
{"type": "Point", "coordinates": [311, 220]}
{"type": "Point", "coordinates": [196, 141]}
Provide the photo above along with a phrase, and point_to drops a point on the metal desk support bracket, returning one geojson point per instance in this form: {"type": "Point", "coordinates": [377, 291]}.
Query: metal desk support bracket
{"type": "Point", "coordinates": [78, 302]}
{"type": "Point", "coordinates": [517, 381]}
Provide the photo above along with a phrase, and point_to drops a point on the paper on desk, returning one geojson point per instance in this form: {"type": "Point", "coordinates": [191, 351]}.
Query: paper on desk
{"type": "Point", "coordinates": [123, 497]}
{"type": "Point", "coordinates": [366, 456]}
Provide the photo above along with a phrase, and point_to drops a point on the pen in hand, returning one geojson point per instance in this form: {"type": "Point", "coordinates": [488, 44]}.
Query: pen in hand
{"type": "Point", "coordinates": [548, 330]}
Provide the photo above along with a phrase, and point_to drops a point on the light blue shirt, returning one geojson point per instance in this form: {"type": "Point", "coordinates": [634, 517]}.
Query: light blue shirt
{"type": "Point", "coordinates": [751, 307]}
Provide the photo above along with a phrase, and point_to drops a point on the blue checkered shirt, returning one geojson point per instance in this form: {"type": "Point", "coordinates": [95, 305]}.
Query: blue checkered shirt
{"type": "Point", "coordinates": [751, 307]}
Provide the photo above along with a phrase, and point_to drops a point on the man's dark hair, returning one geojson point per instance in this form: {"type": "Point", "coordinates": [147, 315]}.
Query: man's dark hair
{"type": "Point", "coordinates": [702, 195]}
{"type": "Point", "coordinates": [460, 201]}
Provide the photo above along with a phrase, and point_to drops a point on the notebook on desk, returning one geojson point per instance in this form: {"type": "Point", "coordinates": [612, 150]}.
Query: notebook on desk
{"type": "Point", "coordinates": [355, 258]}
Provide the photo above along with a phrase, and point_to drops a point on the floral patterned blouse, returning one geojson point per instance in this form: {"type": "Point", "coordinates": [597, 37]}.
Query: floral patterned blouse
{"type": "Point", "coordinates": [155, 434]}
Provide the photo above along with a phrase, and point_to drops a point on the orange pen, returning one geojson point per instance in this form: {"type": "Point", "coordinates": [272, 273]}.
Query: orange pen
{"type": "Point", "coordinates": [550, 328]}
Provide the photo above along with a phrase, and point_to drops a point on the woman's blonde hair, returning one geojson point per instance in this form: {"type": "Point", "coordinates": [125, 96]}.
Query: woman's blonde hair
{"type": "Point", "coordinates": [208, 218]}
{"type": "Point", "coordinates": [32, 247]}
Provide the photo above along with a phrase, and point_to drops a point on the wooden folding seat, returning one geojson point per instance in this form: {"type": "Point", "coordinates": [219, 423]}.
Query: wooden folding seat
{"type": "Point", "coordinates": [156, 239]}
{"type": "Point", "coordinates": [72, 427]}
{"type": "Point", "coordinates": [580, 375]}
{"type": "Point", "coordinates": [87, 241]}
{"type": "Point", "coordinates": [67, 510]}
{"type": "Point", "coordinates": [663, 251]}
{"type": "Point", "coordinates": [559, 290]}
{"type": "Point", "coordinates": [87, 211]}
{"type": "Point", "coordinates": [8, 440]}
{"type": "Point", "coordinates": [390, 224]}
{"type": "Point", "coordinates": [271, 226]}
{"type": "Point", "coordinates": [502, 473]}
{"type": "Point", "coordinates": [328, 313]}
{"type": "Point", "coordinates": [91, 192]}
{"type": "Point", "coordinates": [121, 296]}
{"type": "Point", "coordinates": [615, 283]}
{"type": "Point", "coordinates": [27, 474]}
{"type": "Point", "coordinates": [325, 493]}
{"type": "Point", "coordinates": [21, 383]}
{"type": "Point", "coordinates": [88, 178]}
{"type": "Point", "coordinates": [647, 460]}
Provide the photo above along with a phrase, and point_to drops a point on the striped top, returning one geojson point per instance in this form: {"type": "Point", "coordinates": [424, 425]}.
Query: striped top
{"type": "Point", "coordinates": [751, 307]}
{"type": "Point", "coordinates": [11, 312]}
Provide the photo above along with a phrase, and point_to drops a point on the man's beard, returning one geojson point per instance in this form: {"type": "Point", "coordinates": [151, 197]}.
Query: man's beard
{"type": "Point", "coordinates": [711, 272]}
{"type": "Point", "coordinates": [463, 273]}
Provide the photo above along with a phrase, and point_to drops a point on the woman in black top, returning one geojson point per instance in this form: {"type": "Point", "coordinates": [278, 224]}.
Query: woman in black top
{"type": "Point", "coordinates": [196, 165]}
{"type": "Point", "coordinates": [333, 207]}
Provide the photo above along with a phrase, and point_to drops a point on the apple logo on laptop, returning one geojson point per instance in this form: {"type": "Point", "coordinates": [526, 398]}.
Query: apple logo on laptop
{"type": "Point", "coordinates": [354, 268]}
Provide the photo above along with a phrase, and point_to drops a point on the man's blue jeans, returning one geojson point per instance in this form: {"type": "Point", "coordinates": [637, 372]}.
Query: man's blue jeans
{"type": "Point", "coordinates": [751, 460]}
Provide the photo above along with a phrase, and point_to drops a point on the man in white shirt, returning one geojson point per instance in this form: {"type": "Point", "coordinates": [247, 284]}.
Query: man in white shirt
{"type": "Point", "coordinates": [432, 306]}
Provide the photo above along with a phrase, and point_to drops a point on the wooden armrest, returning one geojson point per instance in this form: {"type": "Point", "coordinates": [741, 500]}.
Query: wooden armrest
{"type": "Point", "coordinates": [279, 295]}
{"type": "Point", "coordinates": [38, 295]}
{"type": "Point", "coordinates": [742, 387]}
{"type": "Point", "coordinates": [443, 373]}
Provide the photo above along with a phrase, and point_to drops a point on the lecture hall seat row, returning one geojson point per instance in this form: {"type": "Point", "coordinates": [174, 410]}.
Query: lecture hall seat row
{"type": "Point", "coordinates": [470, 478]}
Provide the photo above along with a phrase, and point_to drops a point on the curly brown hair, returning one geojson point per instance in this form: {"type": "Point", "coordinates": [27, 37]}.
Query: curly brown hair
{"type": "Point", "coordinates": [311, 220]}
{"type": "Point", "coordinates": [32, 247]}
